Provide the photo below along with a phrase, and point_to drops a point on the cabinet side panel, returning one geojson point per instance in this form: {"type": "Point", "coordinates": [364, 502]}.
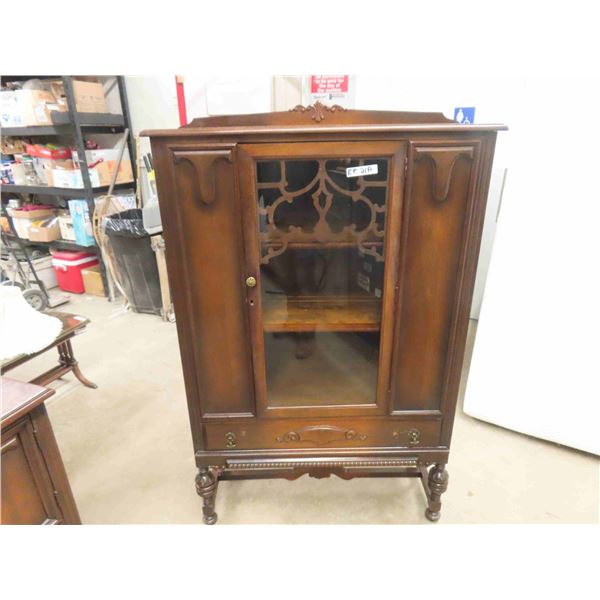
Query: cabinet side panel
{"type": "Point", "coordinates": [202, 226]}
{"type": "Point", "coordinates": [28, 496]}
{"type": "Point", "coordinates": [439, 198]}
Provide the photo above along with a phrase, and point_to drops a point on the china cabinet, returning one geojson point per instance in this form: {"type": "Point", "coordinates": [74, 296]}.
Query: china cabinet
{"type": "Point", "coordinates": [322, 263]}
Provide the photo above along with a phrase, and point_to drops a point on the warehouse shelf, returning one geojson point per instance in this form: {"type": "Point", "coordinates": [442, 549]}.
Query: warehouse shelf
{"type": "Point", "coordinates": [61, 124]}
{"type": "Point", "coordinates": [45, 190]}
{"type": "Point", "coordinates": [75, 124]}
{"type": "Point", "coordinates": [55, 244]}
{"type": "Point", "coordinates": [26, 77]}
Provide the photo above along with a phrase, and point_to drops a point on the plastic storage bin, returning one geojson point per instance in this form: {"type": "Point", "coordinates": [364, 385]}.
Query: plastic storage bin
{"type": "Point", "coordinates": [136, 261]}
{"type": "Point", "coordinates": [68, 267]}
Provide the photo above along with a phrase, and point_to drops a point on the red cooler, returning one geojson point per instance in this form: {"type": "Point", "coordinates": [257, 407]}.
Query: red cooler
{"type": "Point", "coordinates": [68, 267]}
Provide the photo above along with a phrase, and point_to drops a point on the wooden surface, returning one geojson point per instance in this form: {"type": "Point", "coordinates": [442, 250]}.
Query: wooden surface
{"type": "Point", "coordinates": [308, 121]}
{"type": "Point", "coordinates": [206, 273]}
{"type": "Point", "coordinates": [430, 278]}
{"type": "Point", "coordinates": [19, 398]}
{"type": "Point", "coordinates": [314, 313]}
{"type": "Point", "coordinates": [436, 195]}
{"type": "Point", "coordinates": [286, 434]}
{"type": "Point", "coordinates": [35, 488]}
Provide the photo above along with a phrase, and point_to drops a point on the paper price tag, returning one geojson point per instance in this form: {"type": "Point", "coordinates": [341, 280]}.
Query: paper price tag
{"type": "Point", "coordinates": [361, 171]}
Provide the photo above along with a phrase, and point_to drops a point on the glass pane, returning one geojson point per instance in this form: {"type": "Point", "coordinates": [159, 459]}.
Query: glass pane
{"type": "Point", "coordinates": [322, 224]}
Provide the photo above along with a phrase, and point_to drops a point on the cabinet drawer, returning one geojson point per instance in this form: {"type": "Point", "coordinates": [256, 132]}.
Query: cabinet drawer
{"type": "Point", "coordinates": [338, 433]}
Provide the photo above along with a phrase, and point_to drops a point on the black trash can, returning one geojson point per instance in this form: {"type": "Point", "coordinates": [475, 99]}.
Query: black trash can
{"type": "Point", "coordinates": [135, 258]}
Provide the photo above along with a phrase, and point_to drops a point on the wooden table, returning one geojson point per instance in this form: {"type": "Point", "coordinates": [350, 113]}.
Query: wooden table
{"type": "Point", "coordinates": [71, 325]}
{"type": "Point", "coordinates": [35, 488]}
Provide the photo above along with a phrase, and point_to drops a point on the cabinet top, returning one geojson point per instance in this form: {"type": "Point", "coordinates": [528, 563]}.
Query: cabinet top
{"type": "Point", "coordinates": [19, 398]}
{"type": "Point", "coordinates": [319, 118]}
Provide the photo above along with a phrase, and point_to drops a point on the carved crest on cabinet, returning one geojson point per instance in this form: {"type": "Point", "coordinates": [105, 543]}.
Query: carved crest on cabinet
{"type": "Point", "coordinates": [321, 434]}
{"type": "Point", "coordinates": [443, 160]}
{"type": "Point", "coordinates": [202, 163]}
{"type": "Point", "coordinates": [317, 110]}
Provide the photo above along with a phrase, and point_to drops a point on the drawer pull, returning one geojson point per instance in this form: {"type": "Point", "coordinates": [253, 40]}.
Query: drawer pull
{"type": "Point", "coordinates": [231, 439]}
{"type": "Point", "coordinates": [413, 436]}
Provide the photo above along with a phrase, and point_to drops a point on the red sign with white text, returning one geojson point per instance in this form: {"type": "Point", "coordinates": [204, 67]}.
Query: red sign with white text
{"type": "Point", "coordinates": [328, 84]}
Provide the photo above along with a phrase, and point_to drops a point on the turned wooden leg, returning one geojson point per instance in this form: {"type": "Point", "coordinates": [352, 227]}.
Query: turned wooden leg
{"type": "Point", "coordinates": [67, 358]}
{"type": "Point", "coordinates": [207, 482]}
{"type": "Point", "coordinates": [437, 483]}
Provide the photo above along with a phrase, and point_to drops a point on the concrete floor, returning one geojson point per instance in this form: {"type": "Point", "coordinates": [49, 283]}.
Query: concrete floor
{"type": "Point", "coordinates": [128, 452]}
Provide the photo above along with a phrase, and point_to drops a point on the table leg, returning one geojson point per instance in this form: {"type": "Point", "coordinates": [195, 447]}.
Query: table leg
{"type": "Point", "coordinates": [67, 359]}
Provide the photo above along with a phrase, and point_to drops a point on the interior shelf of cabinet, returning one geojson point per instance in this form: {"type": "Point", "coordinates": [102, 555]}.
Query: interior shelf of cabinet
{"type": "Point", "coordinates": [320, 313]}
{"type": "Point", "coordinates": [317, 245]}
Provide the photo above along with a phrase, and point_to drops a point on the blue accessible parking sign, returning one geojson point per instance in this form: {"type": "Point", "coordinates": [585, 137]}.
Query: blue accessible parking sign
{"type": "Point", "coordinates": [465, 115]}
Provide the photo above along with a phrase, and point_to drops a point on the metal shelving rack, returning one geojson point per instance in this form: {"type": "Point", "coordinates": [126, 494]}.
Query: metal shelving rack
{"type": "Point", "coordinates": [75, 124]}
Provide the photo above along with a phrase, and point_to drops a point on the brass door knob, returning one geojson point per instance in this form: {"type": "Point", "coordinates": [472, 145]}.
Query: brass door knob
{"type": "Point", "coordinates": [250, 281]}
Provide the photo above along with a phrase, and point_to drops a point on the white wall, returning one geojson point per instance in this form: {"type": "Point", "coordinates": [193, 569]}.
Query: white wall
{"type": "Point", "coordinates": [152, 102]}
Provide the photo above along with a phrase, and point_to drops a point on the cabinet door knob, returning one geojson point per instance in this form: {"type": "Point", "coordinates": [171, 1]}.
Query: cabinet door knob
{"type": "Point", "coordinates": [250, 281]}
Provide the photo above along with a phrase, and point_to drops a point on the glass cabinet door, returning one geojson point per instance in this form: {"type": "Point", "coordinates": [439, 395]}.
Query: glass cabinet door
{"type": "Point", "coordinates": [322, 227]}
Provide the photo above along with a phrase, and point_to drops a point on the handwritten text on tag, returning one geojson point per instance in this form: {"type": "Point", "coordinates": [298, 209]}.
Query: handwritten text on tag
{"type": "Point", "coordinates": [362, 170]}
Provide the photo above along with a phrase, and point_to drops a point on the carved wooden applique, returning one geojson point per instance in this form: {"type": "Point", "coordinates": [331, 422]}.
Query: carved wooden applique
{"type": "Point", "coordinates": [317, 110]}
{"type": "Point", "coordinates": [321, 434]}
{"type": "Point", "coordinates": [443, 161]}
{"type": "Point", "coordinates": [202, 163]}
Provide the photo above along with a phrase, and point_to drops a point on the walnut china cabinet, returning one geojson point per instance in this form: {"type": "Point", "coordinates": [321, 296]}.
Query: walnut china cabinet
{"type": "Point", "coordinates": [322, 262]}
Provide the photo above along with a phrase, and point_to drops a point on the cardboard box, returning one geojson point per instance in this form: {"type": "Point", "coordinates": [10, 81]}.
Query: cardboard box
{"type": "Point", "coordinates": [40, 213]}
{"type": "Point", "coordinates": [44, 231]}
{"type": "Point", "coordinates": [82, 223]}
{"type": "Point", "coordinates": [43, 168]}
{"type": "Point", "coordinates": [103, 162]}
{"type": "Point", "coordinates": [18, 174]}
{"type": "Point", "coordinates": [89, 96]}
{"type": "Point", "coordinates": [23, 219]}
{"type": "Point", "coordinates": [71, 178]}
{"type": "Point", "coordinates": [105, 172]}
{"type": "Point", "coordinates": [25, 108]}
{"type": "Point", "coordinates": [92, 281]}
{"type": "Point", "coordinates": [65, 224]}
{"type": "Point", "coordinates": [9, 110]}
{"type": "Point", "coordinates": [99, 175]}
